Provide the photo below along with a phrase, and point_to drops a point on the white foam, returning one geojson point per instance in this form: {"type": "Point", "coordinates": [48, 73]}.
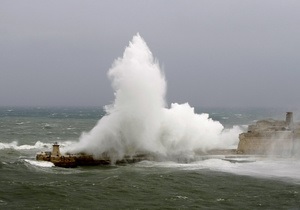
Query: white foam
{"type": "Point", "coordinates": [266, 168]}
{"type": "Point", "coordinates": [37, 145]}
{"type": "Point", "coordinates": [286, 168]}
{"type": "Point", "coordinates": [45, 164]}
{"type": "Point", "coordinates": [11, 145]}
{"type": "Point", "coordinates": [14, 145]}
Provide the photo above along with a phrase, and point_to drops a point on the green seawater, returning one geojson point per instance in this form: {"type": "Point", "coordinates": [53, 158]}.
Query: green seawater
{"type": "Point", "coordinates": [204, 184]}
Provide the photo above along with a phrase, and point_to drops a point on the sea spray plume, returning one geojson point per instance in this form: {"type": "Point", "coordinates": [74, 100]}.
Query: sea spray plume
{"type": "Point", "coordinates": [138, 120]}
{"type": "Point", "coordinates": [132, 122]}
{"type": "Point", "coordinates": [186, 132]}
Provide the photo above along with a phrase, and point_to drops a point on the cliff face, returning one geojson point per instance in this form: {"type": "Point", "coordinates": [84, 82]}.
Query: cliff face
{"type": "Point", "coordinates": [271, 137]}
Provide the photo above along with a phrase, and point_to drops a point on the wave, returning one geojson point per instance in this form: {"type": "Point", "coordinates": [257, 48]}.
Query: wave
{"type": "Point", "coordinates": [14, 145]}
{"type": "Point", "coordinates": [45, 164]}
{"type": "Point", "coordinates": [38, 145]}
{"type": "Point", "coordinates": [283, 169]}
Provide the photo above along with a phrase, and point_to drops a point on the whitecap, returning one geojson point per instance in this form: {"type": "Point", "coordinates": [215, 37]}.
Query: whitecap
{"type": "Point", "coordinates": [45, 164]}
{"type": "Point", "coordinates": [11, 145]}
{"type": "Point", "coordinates": [47, 126]}
{"type": "Point", "coordinates": [14, 145]}
{"type": "Point", "coordinates": [282, 169]}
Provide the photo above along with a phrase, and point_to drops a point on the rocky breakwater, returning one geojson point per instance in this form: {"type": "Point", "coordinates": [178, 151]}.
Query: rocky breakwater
{"type": "Point", "coordinates": [74, 160]}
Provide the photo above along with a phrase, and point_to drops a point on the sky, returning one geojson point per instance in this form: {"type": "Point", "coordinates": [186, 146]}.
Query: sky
{"type": "Point", "coordinates": [227, 53]}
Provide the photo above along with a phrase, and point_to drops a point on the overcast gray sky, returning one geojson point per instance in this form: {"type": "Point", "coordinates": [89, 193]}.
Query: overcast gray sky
{"type": "Point", "coordinates": [214, 53]}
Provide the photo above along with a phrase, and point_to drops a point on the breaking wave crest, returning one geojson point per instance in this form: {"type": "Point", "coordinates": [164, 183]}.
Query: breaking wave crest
{"type": "Point", "coordinates": [283, 169]}
{"type": "Point", "coordinates": [45, 164]}
{"type": "Point", "coordinates": [38, 145]}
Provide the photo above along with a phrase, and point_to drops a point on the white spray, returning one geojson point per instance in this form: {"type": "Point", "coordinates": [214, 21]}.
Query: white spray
{"type": "Point", "coordinates": [138, 120]}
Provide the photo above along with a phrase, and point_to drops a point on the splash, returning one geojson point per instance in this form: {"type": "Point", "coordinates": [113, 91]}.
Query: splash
{"type": "Point", "coordinates": [139, 122]}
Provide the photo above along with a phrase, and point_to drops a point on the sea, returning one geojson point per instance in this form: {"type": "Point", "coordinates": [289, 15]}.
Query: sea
{"type": "Point", "coordinates": [272, 183]}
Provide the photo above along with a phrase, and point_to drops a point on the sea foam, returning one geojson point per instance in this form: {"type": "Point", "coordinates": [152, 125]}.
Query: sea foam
{"type": "Point", "coordinates": [14, 145]}
{"type": "Point", "coordinates": [37, 145]}
{"type": "Point", "coordinates": [45, 164]}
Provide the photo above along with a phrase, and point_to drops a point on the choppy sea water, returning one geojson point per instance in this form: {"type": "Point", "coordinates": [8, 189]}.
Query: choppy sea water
{"type": "Point", "coordinates": [207, 184]}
